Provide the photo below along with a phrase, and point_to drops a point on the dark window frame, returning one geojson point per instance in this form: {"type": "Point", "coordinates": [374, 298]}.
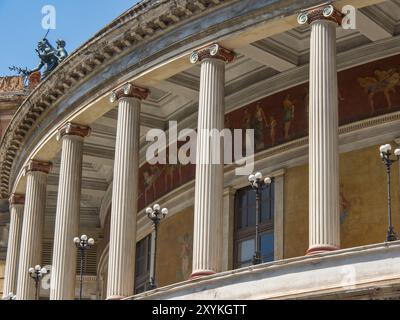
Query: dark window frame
{"type": "Point", "coordinates": [142, 280]}
{"type": "Point", "coordinates": [248, 232]}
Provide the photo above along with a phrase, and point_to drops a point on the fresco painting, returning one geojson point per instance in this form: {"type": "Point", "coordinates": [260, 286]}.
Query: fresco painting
{"type": "Point", "coordinates": [364, 91]}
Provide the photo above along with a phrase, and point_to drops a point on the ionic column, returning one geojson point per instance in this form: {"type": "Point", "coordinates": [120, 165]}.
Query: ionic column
{"type": "Point", "coordinates": [63, 272]}
{"type": "Point", "coordinates": [32, 226]}
{"type": "Point", "coordinates": [208, 203]}
{"type": "Point", "coordinates": [324, 227]}
{"type": "Point", "coordinates": [121, 260]}
{"type": "Point", "coordinates": [14, 239]}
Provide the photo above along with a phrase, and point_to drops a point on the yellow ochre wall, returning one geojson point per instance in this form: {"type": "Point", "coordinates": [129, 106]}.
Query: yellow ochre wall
{"type": "Point", "coordinates": [174, 248]}
{"type": "Point", "coordinates": [363, 201]}
{"type": "Point", "coordinates": [363, 196]}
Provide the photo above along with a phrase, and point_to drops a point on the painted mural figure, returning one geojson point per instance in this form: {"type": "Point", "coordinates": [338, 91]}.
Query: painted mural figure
{"type": "Point", "coordinates": [150, 176]}
{"type": "Point", "coordinates": [169, 174]}
{"type": "Point", "coordinates": [344, 206]}
{"type": "Point", "coordinates": [272, 130]}
{"type": "Point", "coordinates": [383, 81]}
{"type": "Point", "coordinates": [260, 122]}
{"type": "Point", "coordinates": [185, 242]}
{"type": "Point", "coordinates": [246, 124]}
{"type": "Point", "coordinates": [288, 116]}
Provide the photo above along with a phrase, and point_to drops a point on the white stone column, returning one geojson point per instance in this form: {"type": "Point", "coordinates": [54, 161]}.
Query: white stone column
{"type": "Point", "coordinates": [208, 203]}
{"type": "Point", "coordinates": [32, 226]}
{"type": "Point", "coordinates": [228, 218]}
{"type": "Point", "coordinates": [324, 226]}
{"type": "Point", "coordinates": [14, 239]}
{"type": "Point", "coordinates": [63, 272]}
{"type": "Point", "coordinates": [121, 261]}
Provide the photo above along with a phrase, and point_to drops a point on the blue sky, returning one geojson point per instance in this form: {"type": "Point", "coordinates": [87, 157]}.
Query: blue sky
{"type": "Point", "coordinates": [76, 21]}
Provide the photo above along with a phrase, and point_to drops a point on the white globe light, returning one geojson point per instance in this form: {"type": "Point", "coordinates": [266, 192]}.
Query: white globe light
{"type": "Point", "coordinates": [388, 147]}
{"type": "Point", "coordinates": [84, 237]}
{"type": "Point", "coordinates": [149, 210]}
{"type": "Point", "coordinates": [156, 207]}
{"type": "Point", "coordinates": [267, 180]}
{"type": "Point", "coordinates": [37, 267]}
{"type": "Point", "coordinates": [91, 241]}
{"type": "Point", "coordinates": [31, 270]}
{"type": "Point", "coordinates": [397, 152]}
{"type": "Point", "coordinates": [258, 175]}
{"type": "Point", "coordinates": [252, 178]}
{"type": "Point", "coordinates": [382, 148]}
{"type": "Point", "coordinates": [164, 211]}
{"type": "Point", "coordinates": [76, 240]}
{"type": "Point", "coordinates": [43, 270]}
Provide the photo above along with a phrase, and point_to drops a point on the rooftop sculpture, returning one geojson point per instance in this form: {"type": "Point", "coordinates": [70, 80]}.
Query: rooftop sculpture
{"type": "Point", "coordinates": [49, 56]}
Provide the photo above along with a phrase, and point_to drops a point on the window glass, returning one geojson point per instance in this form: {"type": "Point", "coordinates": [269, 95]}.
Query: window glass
{"type": "Point", "coordinates": [142, 265]}
{"type": "Point", "coordinates": [267, 246]}
{"type": "Point", "coordinates": [246, 252]}
{"type": "Point", "coordinates": [245, 221]}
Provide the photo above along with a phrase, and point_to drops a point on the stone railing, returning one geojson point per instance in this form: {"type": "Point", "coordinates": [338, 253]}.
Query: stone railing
{"type": "Point", "coordinates": [341, 274]}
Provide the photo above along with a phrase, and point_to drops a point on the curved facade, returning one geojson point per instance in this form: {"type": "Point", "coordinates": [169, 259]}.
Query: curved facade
{"type": "Point", "coordinates": [320, 98]}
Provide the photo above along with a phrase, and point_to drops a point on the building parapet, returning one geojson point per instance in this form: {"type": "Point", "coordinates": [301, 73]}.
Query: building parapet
{"type": "Point", "coordinates": [340, 273]}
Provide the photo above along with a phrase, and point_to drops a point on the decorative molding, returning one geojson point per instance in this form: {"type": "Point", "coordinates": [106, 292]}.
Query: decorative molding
{"type": "Point", "coordinates": [132, 29]}
{"type": "Point", "coordinates": [17, 198]}
{"type": "Point", "coordinates": [214, 51]}
{"type": "Point", "coordinates": [40, 166]}
{"type": "Point", "coordinates": [325, 12]}
{"type": "Point", "coordinates": [73, 130]}
{"type": "Point", "coordinates": [129, 91]}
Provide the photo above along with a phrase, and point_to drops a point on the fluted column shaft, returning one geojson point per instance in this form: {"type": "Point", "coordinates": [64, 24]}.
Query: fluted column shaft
{"type": "Point", "coordinates": [14, 240]}
{"type": "Point", "coordinates": [63, 273]}
{"type": "Point", "coordinates": [324, 227]}
{"type": "Point", "coordinates": [208, 203]}
{"type": "Point", "coordinates": [122, 247]}
{"type": "Point", "coordinates": [32, 228]}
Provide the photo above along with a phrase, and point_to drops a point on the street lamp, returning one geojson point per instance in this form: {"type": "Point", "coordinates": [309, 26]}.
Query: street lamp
{"type": "Point", "coordinates": [37, 274]}
{"type": "Point", "coordinates": [155, 214]}
{"type": "Point", "coordinates": [82, 243]}
{"type": "Point", "coordinates": [257, 182]}
{"type": "Point", "coordinates": [385, 152]}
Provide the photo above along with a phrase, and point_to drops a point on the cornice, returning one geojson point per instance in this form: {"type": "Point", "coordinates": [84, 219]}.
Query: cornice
{"type": "Point", "coordinates": [145, 21]}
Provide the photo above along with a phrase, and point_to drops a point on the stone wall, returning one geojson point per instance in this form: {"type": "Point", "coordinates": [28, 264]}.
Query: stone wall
{"type": "Point", "coordinates": [363, 197]}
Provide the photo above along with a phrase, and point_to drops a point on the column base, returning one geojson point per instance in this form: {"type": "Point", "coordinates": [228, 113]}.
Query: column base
{"type": "Point", "coordinates": [199, 274]}
{"type": "Point", "coordinates": [320, 249]}
{"type": "Point", "coordinates": [115, 298]}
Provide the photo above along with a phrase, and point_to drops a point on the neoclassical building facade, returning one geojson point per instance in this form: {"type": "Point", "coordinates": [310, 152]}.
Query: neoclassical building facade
{"type": "Point", "coordinates": [320, 93]}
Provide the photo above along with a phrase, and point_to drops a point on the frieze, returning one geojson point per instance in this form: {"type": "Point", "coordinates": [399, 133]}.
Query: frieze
{"type": "Point", "coordinates": [133, 28]}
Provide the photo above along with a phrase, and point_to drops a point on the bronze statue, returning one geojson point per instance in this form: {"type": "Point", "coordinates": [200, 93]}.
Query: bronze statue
{"type": "Point", "coordinates": [49, 56]}
{"type": "Point", "coordinates": [61, 52]}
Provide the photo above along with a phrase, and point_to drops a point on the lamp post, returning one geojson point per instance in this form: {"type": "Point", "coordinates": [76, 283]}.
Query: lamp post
{"type": "Point", "coordinates": [82, 243]}
{"type": "Point", "coordinates": [155, 214]}
{"type": "Point", "coordinates": [257, 182]}
{"type": "Point", "coordinates": [37, 274]}
{"type": "Point", "coordinates": [385, 152]}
